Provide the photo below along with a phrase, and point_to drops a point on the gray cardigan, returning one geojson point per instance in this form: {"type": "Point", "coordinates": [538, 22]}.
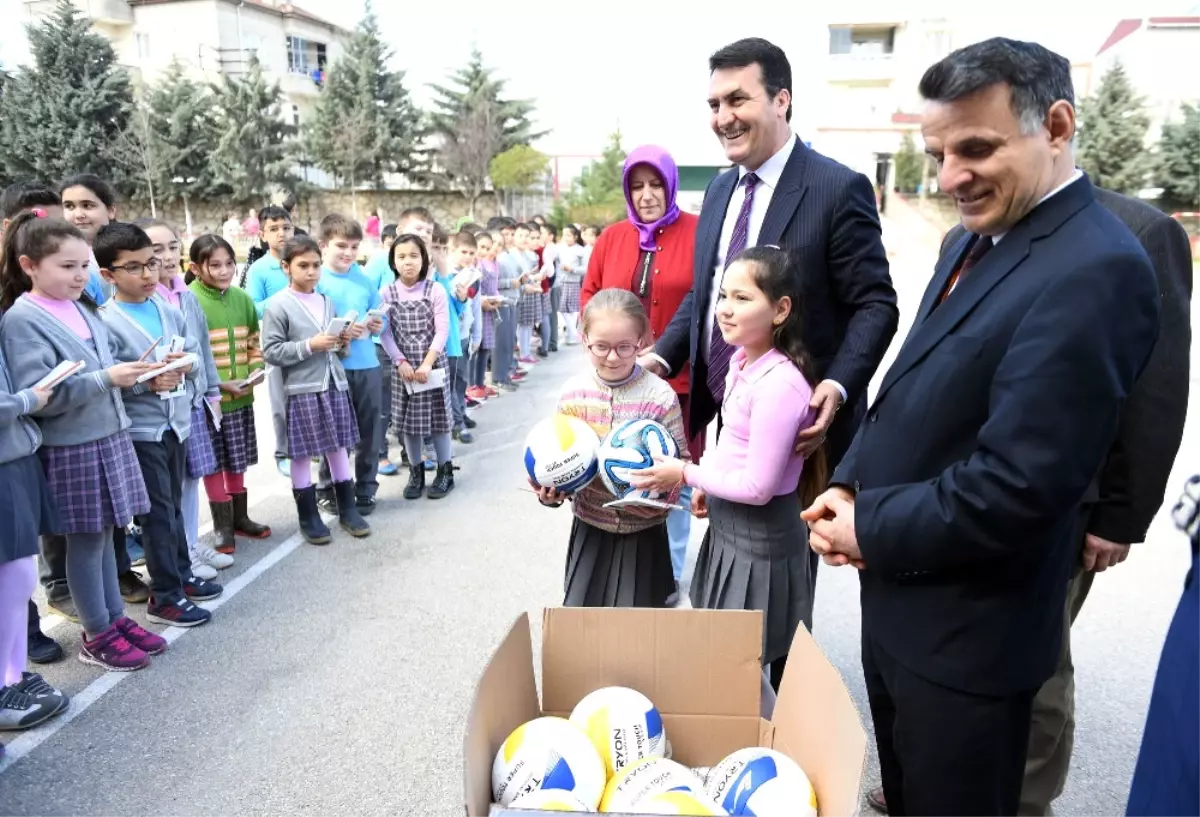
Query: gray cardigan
{"type": "Point", "coordinates": [19, 436]}
{"type": "Point", "coordinates": [286, 327]}
{"type": "Point", "coordinates": [150, 416]}
{"type": "Point", "coordinates": [208, 380]}
{"type": "Point", "coordinates": [85, 407]}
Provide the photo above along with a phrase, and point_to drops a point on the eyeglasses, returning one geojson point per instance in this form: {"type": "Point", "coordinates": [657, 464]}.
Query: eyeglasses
{"type": "Point", "coordinates": [135, 268]}
{"type": "Point", "coordinates": [603, 350]}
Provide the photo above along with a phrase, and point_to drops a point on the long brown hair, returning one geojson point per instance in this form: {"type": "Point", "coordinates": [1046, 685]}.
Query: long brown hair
{"type": "Point", "coordinates": [37, 236]}
{"type": "Point", "coordinates": [777, 276]}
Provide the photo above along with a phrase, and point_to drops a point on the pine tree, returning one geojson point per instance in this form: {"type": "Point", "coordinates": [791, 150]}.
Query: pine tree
{"type": "Point", "coordinates": [366, 125]}
{"type": "Point", "coordinates": [183, 119]}
{"type": "Point", "coordinates": [251, 157]}
{"type": "Point", "coordinates": [63, 114]}
{"type": "Point", "coordinates": [599, 193]}
{"type": "Point", "coordinates": [1112, 134]}
{"type": "Point", "coordinates": [909, 165]}
{"type": "Point", "coordinates": [475, 81]}
{"type": "Point", "coordinates": [1177, 168]}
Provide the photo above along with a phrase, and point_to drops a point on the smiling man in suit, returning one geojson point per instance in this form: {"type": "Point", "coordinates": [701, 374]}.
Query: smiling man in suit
{"type": "Point", "coordinates": [966, 493]}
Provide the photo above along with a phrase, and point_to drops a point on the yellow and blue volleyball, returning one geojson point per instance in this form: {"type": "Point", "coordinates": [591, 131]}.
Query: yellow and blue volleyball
{"type": "Point", "coordinates": [623, 725]}
{"type": "Point", "coordinates": [560, 453]}
{"type": "Point", "coordinates": [694, 803]}
{"type": "Point", "coordinates": [758, 782]}
{"type": "Point", "coordinates": [550, 800]}
{"type": "Point", "coordinates": [646, 778]}
{"type": "Point", "coordinates": [631, 447]}
{"type": "Point", "coordinates": [548, 753]}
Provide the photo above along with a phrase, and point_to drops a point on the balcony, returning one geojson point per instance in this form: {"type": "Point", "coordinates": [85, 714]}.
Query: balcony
{"type": "Point", "coordinates": [855, 68]}
{"type": "Point", "coordinates": [861, 54]}
{"type": "Point", "coordinates": [115, 13]}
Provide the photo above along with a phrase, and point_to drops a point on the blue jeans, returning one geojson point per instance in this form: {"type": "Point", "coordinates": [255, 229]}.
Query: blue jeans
{"type": "Point", "coordinates": [679, 529]}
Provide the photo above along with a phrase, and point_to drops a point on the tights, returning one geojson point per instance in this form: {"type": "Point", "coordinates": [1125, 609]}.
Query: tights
{"type": "Point", "coordinates": [525, 340]}
{"type": "Point", "coordinates": [222, 485]}
{"type": "Point", "coordinates": [92, 578]}
{"type": "Point", "coordinates": [479, 367]}
{"type": "Point", "coordinates": [17, 580]}
{"type": "Point", "coordinates": [339, 469]}
{"type": "Point", "coordinates": [441, 445]}
{"type": "Point", "coordinates": [191, 510]}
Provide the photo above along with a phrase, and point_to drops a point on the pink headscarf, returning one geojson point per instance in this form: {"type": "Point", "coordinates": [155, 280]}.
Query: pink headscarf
{"type": "Point", "coordinates": [657, 158]}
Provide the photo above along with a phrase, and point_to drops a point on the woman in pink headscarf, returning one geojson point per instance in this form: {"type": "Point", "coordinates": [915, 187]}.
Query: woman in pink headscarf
{"type": "Point", "coordinates": [650, 254]}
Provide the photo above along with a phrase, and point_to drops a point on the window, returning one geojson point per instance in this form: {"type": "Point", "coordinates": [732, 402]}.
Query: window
{"type": "Point", "coordinates": [864, 42]}
{"type": "Point", "coordinates": [298, 56]}
{"type": "Point", "coordinates": [143, 46]}
{"type": "Point", "coordinates": [296, 116]}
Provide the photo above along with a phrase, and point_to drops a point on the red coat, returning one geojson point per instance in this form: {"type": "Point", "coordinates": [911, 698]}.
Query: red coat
{"type": "Point", "coordinates": [615, 261]}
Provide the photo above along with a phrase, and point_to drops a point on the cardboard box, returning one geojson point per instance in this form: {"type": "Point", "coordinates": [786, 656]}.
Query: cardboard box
{"type": "Point", "coordinates": [701, 668]}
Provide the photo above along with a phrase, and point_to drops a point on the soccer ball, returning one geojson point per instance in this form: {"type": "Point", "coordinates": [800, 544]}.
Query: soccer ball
{"type": "Point", "coordinates": [644, 779]}
{"type": "Point", "coordinates": [631, 447]}
{"type": "Point", "coordinates": [761, 782]}
{"type": "Point", "coordinates": [548, 753]}
{"type": "Point", "coordinates": [681, 802]}
{"type": "Point", "coordinates": [550, 800]}
{"type": "Point", "coordinates": [560, 453]}
{"type": "Point", "coordinates": [623, 726]}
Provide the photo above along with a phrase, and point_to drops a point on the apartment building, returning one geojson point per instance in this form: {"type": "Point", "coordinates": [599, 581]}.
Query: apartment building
{"type": "Point", "coordinates": [216, 38]}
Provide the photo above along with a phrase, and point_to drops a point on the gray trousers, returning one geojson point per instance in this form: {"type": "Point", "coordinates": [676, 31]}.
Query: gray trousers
{"type": "Point", "coordinates": [506, 340]}
{"type": "Point", "coordinates": [364, 400]}
{"type": "Point", "coordinates": [92, 575]}
{"type": "Point", "coordinates": [387, 372]}
{"type": "Point", "coordinates": [555, 303]}
{"type": "Point", "coordinates": [278, 410]}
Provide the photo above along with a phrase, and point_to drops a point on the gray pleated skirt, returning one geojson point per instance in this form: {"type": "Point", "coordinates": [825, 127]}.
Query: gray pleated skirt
{"type": "Point", "coordinates": [755, 557]}
{"type": "Point", "coordinates": [618, 569]}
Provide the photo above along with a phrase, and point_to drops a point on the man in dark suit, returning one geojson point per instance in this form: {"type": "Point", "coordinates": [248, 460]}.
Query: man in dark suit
{"type": "Point", "coordinates": [967, 490]}
{"type": "Point", "coordinates": [1131, 484]}
{"type": "Point", "coordinates": [781, 192]}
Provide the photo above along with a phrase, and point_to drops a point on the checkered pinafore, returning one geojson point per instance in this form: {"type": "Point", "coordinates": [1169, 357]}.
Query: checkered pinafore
{"type": "Point", "coordinates": [412, 328]}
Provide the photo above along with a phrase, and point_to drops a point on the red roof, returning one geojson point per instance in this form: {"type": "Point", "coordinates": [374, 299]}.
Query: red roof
{"type": "Point", "coordinates": [1123, 30]}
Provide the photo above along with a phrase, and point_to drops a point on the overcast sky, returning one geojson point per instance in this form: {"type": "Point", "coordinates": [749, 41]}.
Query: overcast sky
{"type": "Point", "coordinates": [640, 64]}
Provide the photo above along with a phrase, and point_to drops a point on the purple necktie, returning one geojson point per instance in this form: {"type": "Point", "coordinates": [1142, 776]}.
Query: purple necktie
{"type": "Point", "coordinates": [719, 351]}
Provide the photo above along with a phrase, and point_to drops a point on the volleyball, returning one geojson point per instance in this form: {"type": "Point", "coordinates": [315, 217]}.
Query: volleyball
{"type": "Point", "coordinates": [761, 782]}
{"type": "Point", "coordinates": [548, 753]}
{"type": "Point", "coordinates": [644, 779]}
{"type": "Point", "coordinates": [623, 725]}
{"type": "Point", "coordinates": [550, 800]}
{"type": "Point", "coordinates": [560, 453]}
{"type": "Point", "coordinates": [680, 802]}
{"type": "Point", "coordinates": [631, 447]}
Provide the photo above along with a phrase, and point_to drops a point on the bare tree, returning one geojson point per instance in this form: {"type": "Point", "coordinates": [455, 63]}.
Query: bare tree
{"type": "Point", "coordinates": [142, 153]}
{"type": "Point", "coordinates": [468, 152]}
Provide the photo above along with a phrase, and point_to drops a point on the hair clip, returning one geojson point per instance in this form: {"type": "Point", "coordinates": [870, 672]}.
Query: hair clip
{"type": "Point", "coordinates": [39, 212]}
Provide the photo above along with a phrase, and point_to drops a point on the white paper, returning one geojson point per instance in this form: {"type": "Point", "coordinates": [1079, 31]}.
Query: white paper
{"type": "Point", "coordinates": [645, 503]}
{"type": "Point", "coordinates": [436, 380]}
{"type": "Point", "coordinates": [186, 360]}
{"type": "Point", "coordinates": [59, 373]}
{"type": "Point", "coordinates": [257, 376]}
{"type": "Point", "coordinates": [175, 347]}
{"type": "Point", "coordinates": [214, 412]}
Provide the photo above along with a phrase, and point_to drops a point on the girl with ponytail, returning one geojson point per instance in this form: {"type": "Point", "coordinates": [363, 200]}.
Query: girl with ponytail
{"type": "Point", "coordinates": [752, 485]}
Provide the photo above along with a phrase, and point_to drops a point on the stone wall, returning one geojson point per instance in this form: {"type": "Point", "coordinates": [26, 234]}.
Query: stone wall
{"type": "Point", "coordinates": [208, 214]}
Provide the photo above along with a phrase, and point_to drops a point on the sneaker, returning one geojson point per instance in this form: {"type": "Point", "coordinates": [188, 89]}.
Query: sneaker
{"type": "Point", "coordinates": [464, 436]}
{"type": "Point", "coordinates": [42, 649]}
{"type": "Point", "coordinates": [179, 613]}
{"type": "Point", "coordinates": [137, 635]}
{"type": "Point", "coordinates": [472, 404]}
{"type": "Point", "coordinates": [200, 567]}
{"type": "Point", "coordinates": [64, 606]}
{"type": "Point", "coordinates": [133, 588]}
{"type": "Point", "coordinates": [326, 500]}
{"type": "Point", "coordinates": [112, 651]}
{"type": "Point", "coordinates": [284, 466]}
{"type": "Point", "coordinates": [507, 387]}
{"type": "Point", "coordinates": [476, 393]}
{"type": "Point", "coordinates": [387, 468]}
{"type": "Point", "coordinates": [365, 505]}
{"type": "Point", "coordinates": [528, 361]}
{"type": "Point", "coordinates": [211, 558]}
{"type": "Point", "coordinates": [133, 547]}
{"type": "Point", "coordinates": [542, 353]}
{"type": "Point", "coordinates": [33, 684]}
{"type": "Point", "coordinates": [198, 589]}
{"type": "Point", "coordinates": [430, 465]}
{"type": "Point", "coordinates": [21, 710]}
{"type": "Point", "coordinates": [491, 391]}
{"type": "Point", "coordinates": [469, 421]}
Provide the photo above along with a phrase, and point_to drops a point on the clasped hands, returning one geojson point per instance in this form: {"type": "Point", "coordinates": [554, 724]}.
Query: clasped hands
{"type": "Point", "coordinates": [831, 529]}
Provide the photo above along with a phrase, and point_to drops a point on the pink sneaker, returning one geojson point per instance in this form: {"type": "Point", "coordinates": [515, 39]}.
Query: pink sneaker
{"type": "Point", "coordinates": [111, 651]}
{"type": "Point", "coordinates": [137, 635]}
{"type": "Point", "coordinates": [528, 360]}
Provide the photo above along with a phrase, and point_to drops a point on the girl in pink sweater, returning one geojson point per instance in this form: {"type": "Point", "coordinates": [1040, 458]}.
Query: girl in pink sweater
{"type": "Point", "coordinates": [755, 553]}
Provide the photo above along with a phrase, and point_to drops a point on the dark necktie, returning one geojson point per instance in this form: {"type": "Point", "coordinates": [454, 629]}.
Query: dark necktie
{"type": "Point", "coordinates": [719, 351]}
{"type": "Point", "coordinates": [978, 250]}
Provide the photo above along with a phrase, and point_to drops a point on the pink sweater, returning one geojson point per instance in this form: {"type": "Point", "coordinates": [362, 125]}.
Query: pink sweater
{"type": "Point", "coordinates": [66, 311]}
{"type": "Point", "coordinates": [441, 317]}
{"type": "Point", "coordinates": [171, 293]}
{"type": "Point", "coordinates": [766, 404]}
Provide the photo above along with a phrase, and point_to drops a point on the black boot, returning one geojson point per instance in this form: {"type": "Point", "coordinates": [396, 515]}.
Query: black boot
{"type": "Point", "coordinates": [443, 483]}
{"type": "Point", "coordinates": [416, 481]}
{"type": "Point", "coordinates": [312, 527]}
{"type": "Point", "coordinates": [348, 516]}
{"type": "Point", "coordinates": [243, 525]}
{"type": "Point", "coordinates": [222, 517]}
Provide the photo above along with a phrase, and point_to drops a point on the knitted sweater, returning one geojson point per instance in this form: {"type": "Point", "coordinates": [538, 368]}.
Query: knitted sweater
{"type": "Point", "coordinates": [234, 335]}
{"type": "Point", "coordinates": [601, 405]}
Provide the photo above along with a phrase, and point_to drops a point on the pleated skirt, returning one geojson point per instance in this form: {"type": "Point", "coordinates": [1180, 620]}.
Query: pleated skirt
{"type": "Point", "coordinates": [29, 508]}
{"type": "Point", "coordinates": [756, 558]}
{"type": "Point", "coordinates": [618, 569]}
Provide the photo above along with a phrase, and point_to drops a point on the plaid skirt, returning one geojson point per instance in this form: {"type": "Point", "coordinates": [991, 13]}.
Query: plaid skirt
{"type": "Point", "coordinates": [488, 340]}
{"type": "Point", "coordinates": [570, 297]}
{"type": "Point", "coordinates": [543, 305]}
{"type": "Point", "coordinates": [527, 309]}
{"type": "Point", "coordinates": [201, 456]}
{"type": "Point", "coordinates": [236, 444]}
{"type": "Point", "coordinates": [320, 423]}
{"type": "Point", "coordinates": [96, 485]}
{"type": "Point", "coordinates": [425, 413]}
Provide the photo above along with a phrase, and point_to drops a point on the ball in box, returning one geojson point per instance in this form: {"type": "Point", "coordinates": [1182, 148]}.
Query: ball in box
{"type": "Point", "coordinates": [631, 447]}
{"type": "Point", "coordinates": [688, 802]}
{"type": "Point", "coordinates": [560, 453]}
{"type": "Point", "coordinates": [623, 725]}
{"type": "Point", "coordinates": [759, 782]}
{"type": "Point", "coordinates": [548, 753]}
{"type": "Point", "coordinates": [644, 779]}
{"type": "Point", "coordinates": [550, 800]}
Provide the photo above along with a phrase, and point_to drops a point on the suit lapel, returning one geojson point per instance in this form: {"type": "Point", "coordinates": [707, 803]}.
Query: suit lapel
{"type": "Point", "coordinates": [786, 198]}
{"type": "Point", "coordinates": [712, 219]}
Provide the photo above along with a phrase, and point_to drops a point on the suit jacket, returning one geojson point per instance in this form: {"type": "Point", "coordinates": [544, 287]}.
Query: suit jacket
{"type": "Point", "coordinates": [973, 467]}
{"type": "Point", "coordinates": [824, 214]}
{"type": "Point", "coordinates": [1134, 477]}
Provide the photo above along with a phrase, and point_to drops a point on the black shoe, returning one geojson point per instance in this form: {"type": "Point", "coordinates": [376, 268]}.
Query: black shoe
{"type": "Point", "coordinates": [542, 353]}
{"type": "Point", "coordinates": [176, 613]}
{"type": "Point", "coordinates": [469, 423]}
{"type": "Point", "coordinates": [348, 515]}
{"type": "Point", "coordinates": [416, 482]}
{"type": "Point", "coordinates": [326, 500]}
{"type": "Point", "coordinates": [198, 589]}
{"type": "Point", "coordinates": [443, 483]}
{"type": "Point", "coordinates": [133, 589]}
{"type": "Point", "coordinates": [365, 505]}
{"type": "Point", "coordinates": [471, 402]}
{"type": "Point", "coordinates": [312, 527]}
{"type": "Point", "coordinates": [43, 649]}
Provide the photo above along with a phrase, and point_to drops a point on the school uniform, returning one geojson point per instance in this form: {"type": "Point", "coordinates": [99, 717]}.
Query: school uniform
{"type": "Point", "coordinates": [415, 324]}
{"type": "Point", "coordinates": [264, 279]}
{"type": "Point", "coordinates": [572, 282]}
{"type": "Point", "coordinates": [201, 455]}
{"type": "Point", "coordinates": [29, 509]}
{"type": "Point", "coordinates": [319, 416]}
{"type": "Point", "coordinates": [457, 351]}
{"type": "Point", "coordinates": [509, 267]}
